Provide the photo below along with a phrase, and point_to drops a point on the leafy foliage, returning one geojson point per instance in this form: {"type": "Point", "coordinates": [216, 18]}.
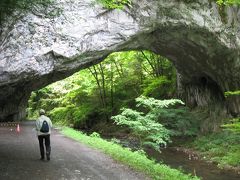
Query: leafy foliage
{"type": "Point", "coordinates": [228, 2]}
{"type": "Point", "coordinates": [97, 93]}
{"type": "Point", "coordinates": [148, 132]}
{"type": "Point", "coordinates": [222, 147]}
{"type": "Point", "coordinates": [160, 87]}
{"type": "Point", "coordinates": [232, 93]}
{"type": "Point", "coordinates": [95, 134]}
{"type": "Point", "coordinates": [145, 125]}
{"type": "Point", "coordinates": [181, 121]}
{"type": "Point", "coordinates": [77, 116]}
{"type": "Point", "coordinates": [153, 104]}
{"type": "Point", "coordinates": [172, 115]}
{"type": "Point", "coordinates": [115, 4]}
{"type": "Point", "coordinates": [119, 4]}
{"type": "Point", "coordinates": [233, 126]}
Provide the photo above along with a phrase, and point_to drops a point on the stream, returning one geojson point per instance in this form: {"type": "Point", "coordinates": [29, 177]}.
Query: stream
{"type": "Point", "coordinates": [188, 164]}
{"type": "Point", "coordinates": [183, 161]}
{"type": "Point", "coordinates": [180, 160]}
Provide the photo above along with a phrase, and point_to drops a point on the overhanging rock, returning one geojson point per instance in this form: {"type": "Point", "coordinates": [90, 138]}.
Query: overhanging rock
{"type": "Point", "coordinates": [202, 42]}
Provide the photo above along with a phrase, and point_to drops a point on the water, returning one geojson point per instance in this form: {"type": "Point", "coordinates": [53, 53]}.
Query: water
{"type": "Point", "coordinates": [180, 160]}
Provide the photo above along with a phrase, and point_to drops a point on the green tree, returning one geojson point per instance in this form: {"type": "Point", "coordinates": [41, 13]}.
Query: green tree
{"type": "Point", "coordinates": [145, 126]}
{"type": "Point", "coordinates": [102, 89]}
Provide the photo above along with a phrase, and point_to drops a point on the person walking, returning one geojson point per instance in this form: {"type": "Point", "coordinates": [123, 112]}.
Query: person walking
{"type": "Point", "coordinates": [43, 128]}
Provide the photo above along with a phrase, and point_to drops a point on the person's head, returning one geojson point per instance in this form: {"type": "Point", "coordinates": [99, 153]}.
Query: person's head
{"type": "Point", "coordinates": [41, 112]}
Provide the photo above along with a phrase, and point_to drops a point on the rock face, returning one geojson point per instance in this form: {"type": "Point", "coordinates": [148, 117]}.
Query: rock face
{"type": "Point", "coordinates": [201, 39]}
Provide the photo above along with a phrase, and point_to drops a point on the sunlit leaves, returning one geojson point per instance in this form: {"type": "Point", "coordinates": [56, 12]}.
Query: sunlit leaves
{"type": "Point", "coordinates": [152, 103]}
{"type": "Point", "coordinates": [231, 93]}
{"type": "Point", "coordinates": [115, 4]}
{"type": "Point", "coordinates": [108, 86]}
{"type": "Point", "coordinates": [228, 2]}
{"type": "Point", "coordinates": [233, 125]}
{"type": "Point", "coordinates": [144, 125]}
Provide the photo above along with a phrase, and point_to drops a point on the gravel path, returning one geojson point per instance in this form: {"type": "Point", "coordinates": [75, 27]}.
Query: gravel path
{"type": "Point", "coordinates": [70, 160]}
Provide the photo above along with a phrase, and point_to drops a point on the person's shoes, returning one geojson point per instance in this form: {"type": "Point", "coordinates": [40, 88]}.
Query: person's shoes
{"type": "Point", "coordinates": [48, 158]}
{"type": "Point", "coordinates": [42, 159]}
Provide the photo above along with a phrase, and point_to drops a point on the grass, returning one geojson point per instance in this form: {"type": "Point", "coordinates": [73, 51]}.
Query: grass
{"type": "Point", "coordinates": [136, 160]}
{"type": "Point", "coordinates": [222, 148]}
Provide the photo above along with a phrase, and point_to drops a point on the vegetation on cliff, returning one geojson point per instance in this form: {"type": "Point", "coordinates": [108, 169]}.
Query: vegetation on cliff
{"type": "Point", "coordinates": [17, 8]}
{"type": "Point", "coordinates": [114, 4]}
{"type": "Point", "coordinates": [228, 2]}
{"type": "Point", "coordinates": [119, 4]}
{"type": "Point", "coordinates": [232, 93]}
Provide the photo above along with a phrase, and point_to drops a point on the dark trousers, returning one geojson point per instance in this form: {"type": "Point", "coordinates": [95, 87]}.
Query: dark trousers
{"type": "Point", "coordinates": [46, 139]}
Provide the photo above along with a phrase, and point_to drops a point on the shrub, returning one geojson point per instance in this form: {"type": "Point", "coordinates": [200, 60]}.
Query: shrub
{"type": "Point", "coordinates": [144, 125]}
{"type": "Point", "coordinates": [61, 114]}
{"type": "Point", "coordinates": [160, 87]}
{"type": "Point", "coordinates": [180, 120]}
{"type": "Point", "coordinates": [77, 116]}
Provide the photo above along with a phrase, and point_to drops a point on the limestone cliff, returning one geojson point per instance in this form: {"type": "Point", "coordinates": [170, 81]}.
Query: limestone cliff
{"type": "Point", "coordinates": [201, 39]}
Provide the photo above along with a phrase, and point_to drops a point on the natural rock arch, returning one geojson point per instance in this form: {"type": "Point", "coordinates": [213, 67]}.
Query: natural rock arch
{"type": "Point", "coordinates": [203, 44]}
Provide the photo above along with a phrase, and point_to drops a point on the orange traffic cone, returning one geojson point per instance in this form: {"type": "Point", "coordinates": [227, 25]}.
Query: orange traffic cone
{"type": "Point", "coordinates": [18, 128]}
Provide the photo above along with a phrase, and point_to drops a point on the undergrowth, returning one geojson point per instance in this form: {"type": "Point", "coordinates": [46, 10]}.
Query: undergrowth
{"type": "Point", "coordinates": [222, 147]}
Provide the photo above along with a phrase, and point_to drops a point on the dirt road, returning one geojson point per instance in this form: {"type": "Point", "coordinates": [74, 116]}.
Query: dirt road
{"type": "Point", "coordinates": [70, 160]}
